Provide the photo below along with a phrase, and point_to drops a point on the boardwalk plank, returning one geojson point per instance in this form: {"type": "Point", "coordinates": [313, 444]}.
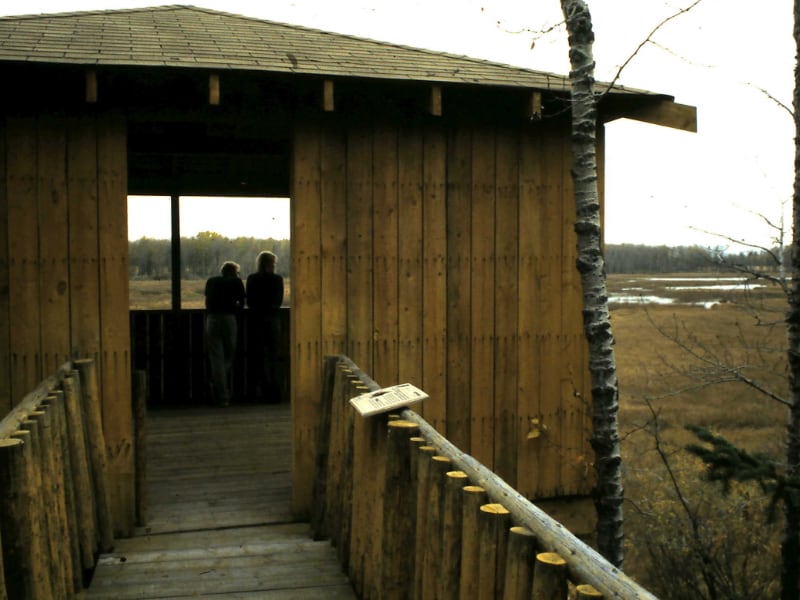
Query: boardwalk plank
{"type": "Point", "coordinates": [219, 521]}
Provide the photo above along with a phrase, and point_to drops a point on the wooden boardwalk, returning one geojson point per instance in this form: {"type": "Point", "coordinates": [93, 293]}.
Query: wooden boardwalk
{"type": "Point", "coordinates": [218, 520]}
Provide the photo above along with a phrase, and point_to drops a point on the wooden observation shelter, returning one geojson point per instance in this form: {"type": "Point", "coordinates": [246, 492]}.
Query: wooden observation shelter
{"type": "Point", "coordinates": [431, 201]}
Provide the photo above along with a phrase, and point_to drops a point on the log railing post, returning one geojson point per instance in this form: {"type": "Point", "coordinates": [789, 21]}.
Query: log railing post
{"type": "Point", "coordinates": [473, 498]}
{"type": "Point", "coordinates": [50, 511]}
{"type": "Point", "coordinates": [15, 517]}
{"type": "Point", "coordinates": [70, 537]}
{"type": "Point", "coordinates": [319, 525]}
{"type": "Point", "coordinates": [399, 511]}
{"type": "Point", "coordinates": [451, 533]}
{"type": "Point", "coordinates": [33, 507]}
{"type": "Point", "coordinates": [587, 592]}
{"type": "Point", "coordinates": [139, 390]}
{"type": "Point", "coordinates": [421, 466]}
{"type": "Point", "coordinates": [550, 577]}
{"type": "Point", "coordinates": [519, 564]}
{"type": "Point", "coordinates": [85, 505]}
{"type": "Point", "coordinates": [99, 459]}
{"type": "Point", "coordinates": [432, 560]}
{"type": "Point", "coordinates": [493, 523]}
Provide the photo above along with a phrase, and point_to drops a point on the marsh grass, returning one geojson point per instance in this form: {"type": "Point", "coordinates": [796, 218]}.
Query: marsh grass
{"type": "Point", "coordinates": [669, 360]}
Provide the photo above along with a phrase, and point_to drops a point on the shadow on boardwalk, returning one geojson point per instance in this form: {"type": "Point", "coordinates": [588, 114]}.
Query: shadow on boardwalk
{"type": "Point", "coordinates": [218, 519]}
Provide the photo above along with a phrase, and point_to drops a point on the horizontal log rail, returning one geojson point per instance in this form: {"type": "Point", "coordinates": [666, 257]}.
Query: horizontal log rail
{"type": "Point", "coordinates": [412, 516]}
{"type": "Point", "coordinates": [54, 508]}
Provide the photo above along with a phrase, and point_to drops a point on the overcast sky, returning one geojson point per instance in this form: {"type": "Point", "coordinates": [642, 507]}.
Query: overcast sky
{"type": "Point", "coordinates": [662, 186]}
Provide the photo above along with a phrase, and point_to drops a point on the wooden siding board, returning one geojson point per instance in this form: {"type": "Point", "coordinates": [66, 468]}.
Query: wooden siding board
{"type": "Point", "coordinates": [53, 244]}
{"type": "Point", "coordinates": [434, 277]}
{"type": "Point", "coordinates": [83, 238]}
{"type": "Point", "coordinates": [385, 257]}
{"type": "Point", "coordinates": [359, 248]}
{"type": "Point", "coordinates": [23, 254]}
{"type": "Point", "coordinates": [410, 276]}
{"type": "Point", "coordinates": [550, 336]}
{"type": "Point", "coordinates": [459, 263]}
{"type": "Point", "coordinates": [529, 449]}
{"type": "Point", "coordinates": [482, 296]}
{"type": "Point", "coordinates": [573, 364]}
{"type": "Point", "coordinates": [507, 307]}
{"type": "Point", "coordinates": [334, 241]}
{"type": "Point", "coordinates": [306, 313]}
{"type": "Point", "coordinates": [112, 211]}
{"type": "Point", "coordinates": [5, 315]}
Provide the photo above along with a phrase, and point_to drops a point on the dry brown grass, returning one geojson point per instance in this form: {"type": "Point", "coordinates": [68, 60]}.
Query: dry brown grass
{"type": "Point", "coordinates": [666, 361]}
{"type": "Point", "coordinates": [151, 294]}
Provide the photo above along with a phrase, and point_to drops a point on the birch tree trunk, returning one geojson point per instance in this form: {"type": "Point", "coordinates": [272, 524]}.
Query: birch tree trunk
{"type": "Point", "coordinates": [596, 323]}
{"type": "Point", "coordinates": [790, 545]}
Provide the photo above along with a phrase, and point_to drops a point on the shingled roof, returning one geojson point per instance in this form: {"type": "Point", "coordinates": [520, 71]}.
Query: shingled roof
{"type": "Point", "coordinates": [192, 37]}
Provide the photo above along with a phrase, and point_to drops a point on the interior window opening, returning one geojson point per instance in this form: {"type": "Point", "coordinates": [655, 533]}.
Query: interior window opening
{"type": "Point", "coordinates": [193, 236]}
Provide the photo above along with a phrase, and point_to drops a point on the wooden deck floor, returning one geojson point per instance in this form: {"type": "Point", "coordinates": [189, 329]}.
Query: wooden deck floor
{"type": "Point", "coordinates": [218, 522]}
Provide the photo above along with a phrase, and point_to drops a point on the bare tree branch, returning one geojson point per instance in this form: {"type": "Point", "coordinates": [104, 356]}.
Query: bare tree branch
{"type": "Point", "coordinates": [648, 39]}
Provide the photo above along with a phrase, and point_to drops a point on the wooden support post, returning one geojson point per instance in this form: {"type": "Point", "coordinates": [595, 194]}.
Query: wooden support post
{"type": "Point", "coordinates": [422, 466]}
{"type": "Point", "coordinates": [550, 577]}
{"type": "Point", "coordinates": [399, 511]}
{"type": "Point", "coordinates": [15, 519]}
{"type": "Point", "coordinates": [519, 564]}
{"type": "Point", "coordinates": [140, 436]}
{"type": "Point", "coordinates": [431, 575]}
{"type": "Point", "coordinates": [213, 89]}
{"type": "Point", "coordinates": [435, 107]}
{"type": "Point", "coordinates": [328, 104]}
{"type": "Point", "coordinates": [452, 509]}
{"type": "Point", "coordinates": [493, 522]}
{"type": "Point", "coordinates": [474, 497]}
{"type": "Point", "coordinates": [85, 506]}
{"type": "Point", "coordinates": [97, 450]}
{"type": "Point", "coordinates": [91, 87]}
{"type": "Point", "coordinates": [587, 592]}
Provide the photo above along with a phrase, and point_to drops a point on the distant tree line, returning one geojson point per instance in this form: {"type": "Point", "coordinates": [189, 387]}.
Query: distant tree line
{"type": "Point", "coordinates": [639, 258]}
{"type": "Point", "coordinates": [203, 255]}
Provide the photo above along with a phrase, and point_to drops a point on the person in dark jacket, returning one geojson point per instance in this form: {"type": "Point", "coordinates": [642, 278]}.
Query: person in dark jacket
{"type": "Point", "coordinates": [264, 298]}
{"type": "Point", "coordinates": [224, 299]}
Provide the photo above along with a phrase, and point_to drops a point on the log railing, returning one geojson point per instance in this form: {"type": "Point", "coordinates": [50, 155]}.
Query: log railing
{"type": "Point", "coordinates": [55, 516]}
{"type": "Point", "coordinates": [411, 516]}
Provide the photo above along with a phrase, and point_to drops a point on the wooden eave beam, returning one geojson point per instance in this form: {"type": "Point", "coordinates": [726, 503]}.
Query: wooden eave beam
{"type": "Point", "coordinates": [91, 87]}
{"type": "Point", "coordinates": [435, 104]}
{"type": "Point", "coordinates": [661, 112]}
{"type": "Point", "coordinates": [328, 103]}
{"type": "Point", "coordinates": [213, 89]}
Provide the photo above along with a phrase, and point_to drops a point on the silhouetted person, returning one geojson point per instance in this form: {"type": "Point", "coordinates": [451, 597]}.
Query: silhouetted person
{"type": "Point", "coordinates": [264, 297]}
{"type": "Point", "coordinates": [224, 299]}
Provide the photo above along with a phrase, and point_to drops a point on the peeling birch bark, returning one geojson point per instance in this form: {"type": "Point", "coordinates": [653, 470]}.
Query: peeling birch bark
{"type": "Point", "coordinates": [591, 265]}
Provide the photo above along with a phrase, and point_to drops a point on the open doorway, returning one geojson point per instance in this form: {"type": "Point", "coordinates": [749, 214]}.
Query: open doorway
{"type": "Point", "coordinates": [175, 244]}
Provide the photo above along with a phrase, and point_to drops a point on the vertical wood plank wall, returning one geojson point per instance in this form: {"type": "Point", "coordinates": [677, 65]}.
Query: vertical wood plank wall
{"type": "Point", "coordinates": [63, 269]}
{"type": "Point", "coordinates": [445, 258]}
